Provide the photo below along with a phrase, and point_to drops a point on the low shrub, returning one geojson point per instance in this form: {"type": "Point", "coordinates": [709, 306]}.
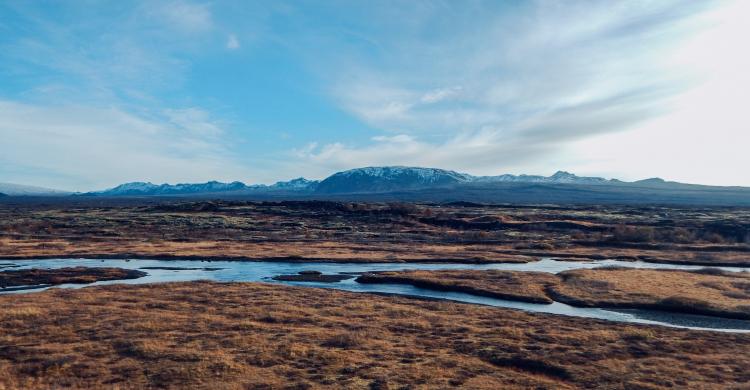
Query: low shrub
{"type": "Point", "coordinates": [346, 340]}
{"type": "Point", "coordinates": [712, 271]}
{"type": "Point", "coordinates": [626, 233]}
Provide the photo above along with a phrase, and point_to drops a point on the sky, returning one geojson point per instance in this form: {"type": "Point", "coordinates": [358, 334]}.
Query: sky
{"type": "Point", "coordinates": [97, 93]}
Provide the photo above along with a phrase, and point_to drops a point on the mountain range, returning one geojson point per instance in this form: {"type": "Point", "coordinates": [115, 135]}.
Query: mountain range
{"type": "Point", "coordinates": [366, 180]}
{"type": "Point", "coordinates": [396, 183]}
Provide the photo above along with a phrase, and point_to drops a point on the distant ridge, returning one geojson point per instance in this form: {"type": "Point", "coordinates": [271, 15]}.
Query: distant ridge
{"type": "Point", "coordinates": [358, 180]}
{"type": "Point", "coordinates": [146, 189]}
{"type": "Point", "coordinates": [376, 180]}
{"type": "Point", "coordinates": [211, 187]}
{"type": "Point", "coordinates": [401, 183]}
{"type": "Point", "coordinates": [11, 189]}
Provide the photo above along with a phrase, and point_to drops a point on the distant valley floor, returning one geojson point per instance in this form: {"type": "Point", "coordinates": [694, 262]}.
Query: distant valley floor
{"type": "Point", "coordinates": [373, 232]}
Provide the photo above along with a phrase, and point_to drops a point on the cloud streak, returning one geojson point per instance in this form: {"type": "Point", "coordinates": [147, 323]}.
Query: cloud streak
{"type": "Point", "coordinates": [188, 90]}
{"type": "Point", "coordinates": [232, 42]}
{"type": "Point", "coordinates": [496, 91]}
{"type": "Point", "coordinates": [61, 144]}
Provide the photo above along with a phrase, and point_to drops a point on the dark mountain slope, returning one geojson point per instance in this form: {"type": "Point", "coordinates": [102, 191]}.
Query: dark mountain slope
{"type": "Point", "coordinates": [384, 179]}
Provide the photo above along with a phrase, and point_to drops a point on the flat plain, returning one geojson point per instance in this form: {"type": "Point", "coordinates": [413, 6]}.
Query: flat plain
{"type": "Point", "coordinates": [270, 336]}
{"type": "Point", "coordinates": [254, 335]}
{"type": "Point", "coordinates": [373, 232]}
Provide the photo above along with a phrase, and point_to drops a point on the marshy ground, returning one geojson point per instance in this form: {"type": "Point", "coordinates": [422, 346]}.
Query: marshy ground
{"type": "Point", "coordinates": [252, 335]}
{"type": "Point", "coordinates": [72, 275]}
{"type": "Point", "coordinates": [707, 292]}
{"type": "Point", "coordinates": [255, 335]}
{"type": "Point", "coordinates": [372, 232]}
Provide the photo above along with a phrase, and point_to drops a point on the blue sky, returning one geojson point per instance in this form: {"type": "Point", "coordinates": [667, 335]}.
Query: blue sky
{"type": "Point", "coordinates": [95, 93]}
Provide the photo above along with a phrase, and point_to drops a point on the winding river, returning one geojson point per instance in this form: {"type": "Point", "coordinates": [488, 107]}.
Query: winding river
{"type": "Point", "coordinates": [231, 271]}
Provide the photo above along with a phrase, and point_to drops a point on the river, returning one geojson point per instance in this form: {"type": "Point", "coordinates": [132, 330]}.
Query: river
{"type": "Point", "coordinates": [237, 271]}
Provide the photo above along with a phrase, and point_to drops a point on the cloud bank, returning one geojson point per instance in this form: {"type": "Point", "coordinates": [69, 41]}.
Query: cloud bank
{"type": "Point", "coordinates": [513, 92]}
{"type": "Point", "coordinates": [57, 143]}
{"type": "Point", "coordinates": [184, 90]}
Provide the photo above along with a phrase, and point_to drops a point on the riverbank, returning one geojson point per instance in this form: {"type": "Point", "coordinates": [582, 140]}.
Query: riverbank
{"type": "Point", "coordinates": [35, 278]}
{"type": "Point", "coordinates": [709, 292]}
{"type": "Point", "coordinates": [208, 335]}
{"type": "Point", "coordinates": [509, 292]}
{"type": "Point", "coordinates": [510, 285]}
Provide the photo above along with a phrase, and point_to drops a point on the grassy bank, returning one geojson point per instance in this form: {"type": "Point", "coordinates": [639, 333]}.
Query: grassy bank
{"type": "Point", "coordinates": [75, 275]}
{"type": "Point", "coordinates": [707, 292]}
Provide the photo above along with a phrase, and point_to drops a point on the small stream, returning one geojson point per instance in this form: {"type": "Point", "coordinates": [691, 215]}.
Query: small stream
{"type": "Point", "coordinates": [235, 271]}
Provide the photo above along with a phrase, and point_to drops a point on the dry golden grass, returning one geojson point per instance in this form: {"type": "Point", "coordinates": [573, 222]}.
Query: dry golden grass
{"type": "Point", "coordinates": [372, 232]}
{"type": "Point", "coordinates": [259, 336]}
{"type": "Point", "coordinates": [520, 286]}
{"type": "Point", "coordinates": [710, 292]}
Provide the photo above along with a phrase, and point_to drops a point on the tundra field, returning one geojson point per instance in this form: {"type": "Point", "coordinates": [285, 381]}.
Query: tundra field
{"type": "Point", "coordinates": [366, 232]}
{"type": "Point", "coordinates": [271, 336]}
{"type": "Point", "coordinates": [260, 336]}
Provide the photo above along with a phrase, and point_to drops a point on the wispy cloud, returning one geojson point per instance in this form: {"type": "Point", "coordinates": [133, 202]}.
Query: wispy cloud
{"type": "Point", "coordinates": [495, 91]}
{"type": "Point", "coordinates": [95, 115]}
{"type": "Point", "coordinates": [232, 42]}
{"type": "Point", "coordinates": [292, 89]}
{"type": "Point", "coordinates": [195, 121]}
{"type": "Point", "coordinates": [466, 152]}
{"type": "Point", "coordinates": [183, 15]}
{"type": "Point", "coordinates": [97, 147]}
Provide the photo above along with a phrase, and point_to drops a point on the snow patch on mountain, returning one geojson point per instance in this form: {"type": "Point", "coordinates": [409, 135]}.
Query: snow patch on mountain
{"type": "Point", "coordinates": [560, 177]}
{"type": "Point", "coordinates": [383, 179]}
{"type": "Point", "coordinates": [298, 184]}
{"type": "Point", "coordinates": [360, 180]}
{"type": "Point", "coordinates": [146, 188]}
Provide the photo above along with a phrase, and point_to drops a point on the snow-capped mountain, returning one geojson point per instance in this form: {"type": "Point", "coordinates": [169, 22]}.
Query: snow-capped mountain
{"type": "Point", "coordinates": [150, 189]}
{"type": "Point", "coordinates": [560, 177]}
{"type": "Point", "coordinates": [298, 184]}
{"type": "Point", "coordinates": [358, 181]}
{"type": "Point", "coordinates": [146, 189]}
{"type": "Point", "coordinates": [380, 179]}
{"type": "Point", "coordinates": [383, 179]}
{"type": "Point", "coordinates": [433, 184]}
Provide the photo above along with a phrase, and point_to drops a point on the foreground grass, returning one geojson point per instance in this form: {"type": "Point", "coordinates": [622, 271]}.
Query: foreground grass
{"type": "Point", "coordinates": [709, 291]}
{"type": "Point", "coordinates": [251, 335]}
